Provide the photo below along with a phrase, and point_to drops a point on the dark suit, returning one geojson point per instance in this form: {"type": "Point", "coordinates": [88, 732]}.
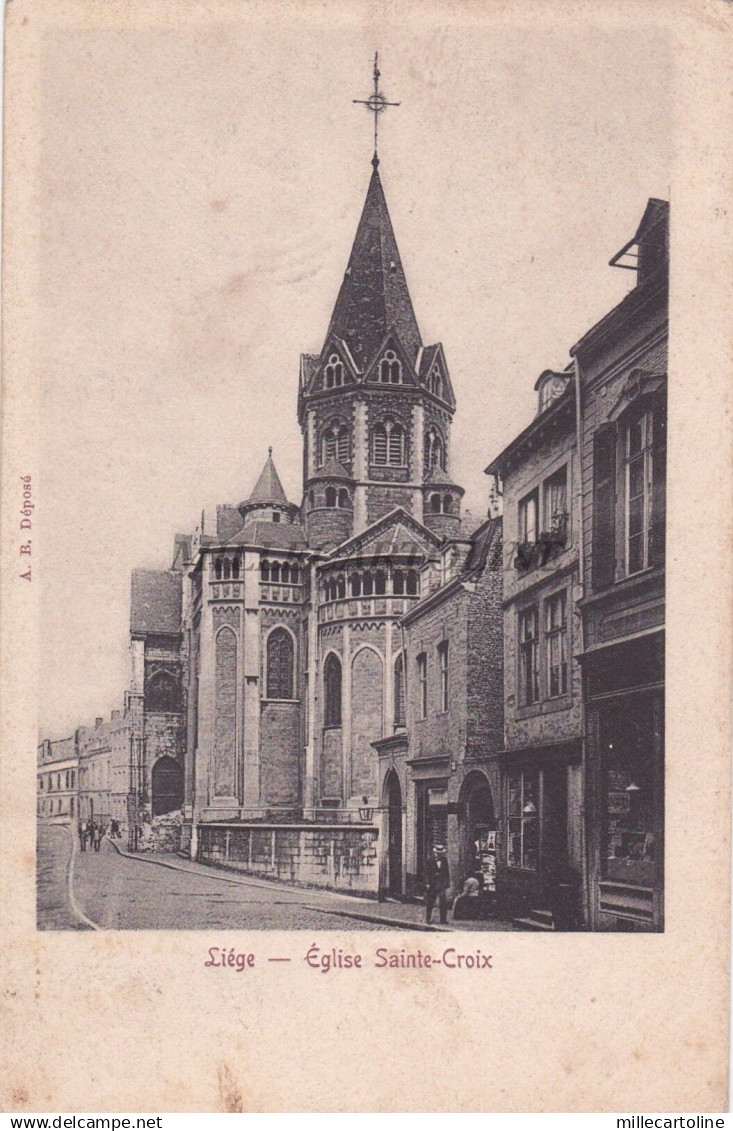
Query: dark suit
{"type": "Point", "coordinates": [437, 880]}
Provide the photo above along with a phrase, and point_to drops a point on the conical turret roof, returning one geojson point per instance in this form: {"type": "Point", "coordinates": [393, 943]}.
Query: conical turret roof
{"type": "Point", "coordinates": [268, 488]}
{"type": "Point", "coordinates": [374, 298]}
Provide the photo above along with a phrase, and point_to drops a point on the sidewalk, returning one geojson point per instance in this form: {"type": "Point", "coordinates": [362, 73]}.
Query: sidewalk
{"type": "Point", "coordinates": [391, 913]}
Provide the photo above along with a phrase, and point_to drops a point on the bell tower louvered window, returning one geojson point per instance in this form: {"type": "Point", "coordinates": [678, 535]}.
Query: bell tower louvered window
{"type": "Point", "coordinates": [336, 443]}
{"type": "Point", "coordinates": [388, 444]}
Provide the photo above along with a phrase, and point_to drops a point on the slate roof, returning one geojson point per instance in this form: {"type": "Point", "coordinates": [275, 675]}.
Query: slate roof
{"type": "Point", "coordinates": [228, 522]}
{"type": "Point", "coordinates": [271, 535]}
{"type": "Point", "coordinates": [438, 476]}
{"type": "Point", "coordinates": [268, 488]}
{"type": "Point", "coordinates": [374, 298]}
{"type": "Point", "coordinates": [332, 469]}
{"type": "Point", "coordinates": [155, 602]}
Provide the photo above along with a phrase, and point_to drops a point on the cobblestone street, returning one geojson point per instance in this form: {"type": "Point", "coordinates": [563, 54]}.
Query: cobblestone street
{"type": "Point", "coordinates": [116, 892]}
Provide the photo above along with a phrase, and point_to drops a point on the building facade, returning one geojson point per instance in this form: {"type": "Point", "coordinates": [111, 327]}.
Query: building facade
{"type": "Point", "coordinates": [622, 365]}
{"type": "Point", "coordinates": [439, 771]}
{"type": "Point", "coordinates": [57, 780]}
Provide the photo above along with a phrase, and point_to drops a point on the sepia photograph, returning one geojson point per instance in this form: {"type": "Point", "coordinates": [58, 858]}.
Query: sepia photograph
{"type": "Point", "coordinates": [366, 640]}
{"type": "Point", "coordinates": [429, 674]}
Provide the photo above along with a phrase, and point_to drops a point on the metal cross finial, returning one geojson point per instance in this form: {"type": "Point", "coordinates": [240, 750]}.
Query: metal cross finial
{"type": "Point", "coordinates": [376, 104]}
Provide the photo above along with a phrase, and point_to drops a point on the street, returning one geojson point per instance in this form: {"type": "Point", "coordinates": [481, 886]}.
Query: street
{"type": "Point", "coordinates": [111, 891]}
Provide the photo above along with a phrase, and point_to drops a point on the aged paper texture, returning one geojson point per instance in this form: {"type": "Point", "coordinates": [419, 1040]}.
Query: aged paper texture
{"type": "Point", "coordinates": [343, 776]}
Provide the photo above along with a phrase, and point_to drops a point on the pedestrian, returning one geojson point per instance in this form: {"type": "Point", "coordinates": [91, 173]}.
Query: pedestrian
{"type": "Point", "coordinates": [98, 834]}
{"type": "Point", "coordinates": [91, 827]}
{"type": "Point", "coordinates": [437, 877]}
{"type": "Point", "coordinates": [83, 835]}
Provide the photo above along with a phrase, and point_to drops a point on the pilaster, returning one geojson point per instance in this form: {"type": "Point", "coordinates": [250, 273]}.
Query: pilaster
{"type": "Point", "coordinates": [346, 710]}
{"type": "Point", "coordinates": [250, 791]}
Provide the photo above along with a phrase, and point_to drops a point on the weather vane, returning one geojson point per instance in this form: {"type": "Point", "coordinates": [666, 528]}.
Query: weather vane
{"type": "Point", "coordinates": [376, 104]}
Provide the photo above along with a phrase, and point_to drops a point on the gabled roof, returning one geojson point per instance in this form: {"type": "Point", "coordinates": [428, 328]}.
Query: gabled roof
{"type": "Point", "coordinates": [268, 488]}
{"type": "Point", "coordinates": [395, 534]}
{"type": "Point", "coordinates": [155, 602]}
{"type": "Point", "coordinates": [228, 522]}
{"type": "Point", "coordinates": [374, 295]}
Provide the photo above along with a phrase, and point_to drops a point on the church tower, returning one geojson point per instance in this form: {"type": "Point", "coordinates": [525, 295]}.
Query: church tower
{"type": "Point", "coordinates": [376, 405]}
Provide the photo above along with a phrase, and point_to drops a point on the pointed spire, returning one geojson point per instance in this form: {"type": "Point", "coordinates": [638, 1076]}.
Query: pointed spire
{"type": "Point", "coordinates": [374, 297]}
{"type": "Point", "coordinates": [268, 488]}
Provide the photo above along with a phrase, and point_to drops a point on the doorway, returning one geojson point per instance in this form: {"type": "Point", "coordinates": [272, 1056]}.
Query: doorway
{"type": "Point", "coordinates": [394, 835]}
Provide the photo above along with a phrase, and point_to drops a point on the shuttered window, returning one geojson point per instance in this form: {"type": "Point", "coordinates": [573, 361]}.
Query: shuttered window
{"type": "Point", "coordinates": [604, 508]}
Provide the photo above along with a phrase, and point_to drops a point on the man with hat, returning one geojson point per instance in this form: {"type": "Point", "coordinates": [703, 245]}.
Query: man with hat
{"type": "Point", "coordinates": [437, 881]}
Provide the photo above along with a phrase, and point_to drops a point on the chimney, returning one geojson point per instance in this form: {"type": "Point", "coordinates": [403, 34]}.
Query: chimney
{"type": "Point", "coordinates": [98, 723]}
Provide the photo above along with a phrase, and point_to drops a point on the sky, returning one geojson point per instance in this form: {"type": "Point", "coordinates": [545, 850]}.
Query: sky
{"type": "Point", "coordinates": [201, 189]}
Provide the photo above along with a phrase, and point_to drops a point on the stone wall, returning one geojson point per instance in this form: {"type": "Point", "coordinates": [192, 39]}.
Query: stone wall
{"type": "Point", "coordinates": [338, 858]}
{"type": "Point", "coordinates": [280, 743]}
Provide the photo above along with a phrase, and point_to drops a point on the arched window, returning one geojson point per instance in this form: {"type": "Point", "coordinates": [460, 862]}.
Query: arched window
{"type": "Point", "coordinates": [398, 582]}
{"type": "Point", "coordinates": [235, 568]}
{"type": "Point", "coordinates": [343, 499]}
{"type": "Point", "coordinates": [330, 496]}
{"type": "Point", "coordinates": [280, 665]}
{"type": "Point", "coordinates": [447, 504]}
{"type": "Point", "coordinates": [412, 582]}
{"type": "Point", "coordinates": [217, 569]}
{"type": "Point", "coordinates": [334, 372]}
{"type": "Point", "coordinates": [332, 691]}
{"type": "Point", "coordinates": [388, 444]}
{"type": "Point", "coordinates": [390, 369]}
{"type": "Point", "coordinates": [265, 570]}
{"type": "Point", "coordinates": [436, 383]}
{"type": "Point", "coordinates": [275, 572]}
{"type": "Point", "coordinates": [434, 450]}
{"type": "Point", "coordinates": [294, 575]}
{"type": "Point", "coordinates": [380, 583]}
{"type": "Point", "coordinates": [399, 691]}
{"type": "Point", "coordinates": [342, 586]}
{"type": "Point", "coordinates": [285, 574]}
{"type": "Point", "coordinates": [435, 504]}
{"type": "Point", "coordinates": [367, 585]}
{"type": "Point", "coordinates": [355, 580]}
{"type": "Point", "coordinates": [162, 693]}
{"type": "Point", "coordinates": [336, 442]}
{"type": "Point", "coordinates": [227, 569]}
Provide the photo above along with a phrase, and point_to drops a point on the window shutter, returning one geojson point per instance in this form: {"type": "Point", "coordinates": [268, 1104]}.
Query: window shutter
{"type": "Point", "coordinates": [379, 454]}
{"type": "Point", "coordinates": [395, 445]}
{"type": "Point", "coordinates": [604, 508]}
{"type": "Point", "coordinates": [659, 487]}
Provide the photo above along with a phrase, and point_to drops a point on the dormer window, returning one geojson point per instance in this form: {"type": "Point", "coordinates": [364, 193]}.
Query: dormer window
{"type": "Point", "coordinates": [550, 389]}
{"type": "Point", "coordinates": [334, 372]}
{"type": "Point", "coordinates": [390, 369]}
{"type": "Point", "coordinates": [435, 382]}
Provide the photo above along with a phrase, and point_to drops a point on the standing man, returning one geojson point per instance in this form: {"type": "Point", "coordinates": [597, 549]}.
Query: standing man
{"type": "Point", "coordinates": [437, 876]}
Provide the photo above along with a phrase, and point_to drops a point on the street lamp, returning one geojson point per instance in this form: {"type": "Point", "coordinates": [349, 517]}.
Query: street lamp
{"type": "Point", "coordinates": [365, 811]}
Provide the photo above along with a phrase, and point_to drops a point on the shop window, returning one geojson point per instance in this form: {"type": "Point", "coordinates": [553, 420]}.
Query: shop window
{"type": "Point", "coordinates": [556, 644]}
{"type": "Point", "coordinates": [529, 690]}
{"type": "Point", "coordinates": [630, 734]}
{"type": "Point", "coordinates": [523, 820]}
{"type": "Point", "coordinates": [422, 685]}
{"type": "Point", "coordinates": [280, 665]}
{"type": "Point", "coordinates": [332, 691]}
{"type": "Point", "coordinates": [399, 691]}
{"type": "Point", "coordinates": [443, 675]}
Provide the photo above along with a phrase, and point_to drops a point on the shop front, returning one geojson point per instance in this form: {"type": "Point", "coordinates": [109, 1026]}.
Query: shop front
{"type": "Point", "coordinates": [541, 853]}
{"type": "Point", "coordinates": [626, 769]}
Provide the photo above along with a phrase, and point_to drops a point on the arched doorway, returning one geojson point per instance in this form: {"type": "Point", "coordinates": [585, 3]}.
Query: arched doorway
{"type": "Point", "coordinates": [167, 786]}
{"type": "Point", "coordinates": [478, 842]}
{"type": "Point", "coordinates": [394, 833]}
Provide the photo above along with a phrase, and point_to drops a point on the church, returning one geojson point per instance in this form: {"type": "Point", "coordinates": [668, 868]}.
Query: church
{"type": "Point", "coordinates": [270, 659]}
